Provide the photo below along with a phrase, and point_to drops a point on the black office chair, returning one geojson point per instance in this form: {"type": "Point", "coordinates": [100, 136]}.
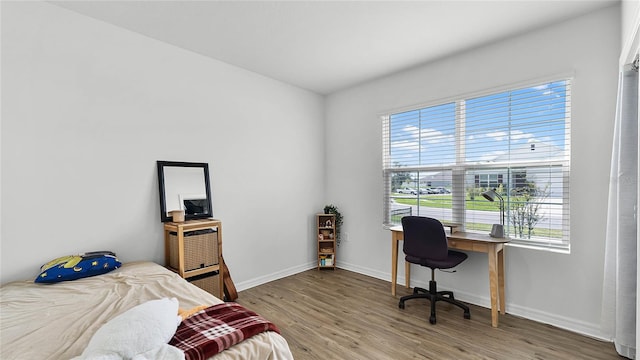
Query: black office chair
{"type": "Point", "coordinates": [425, 243]}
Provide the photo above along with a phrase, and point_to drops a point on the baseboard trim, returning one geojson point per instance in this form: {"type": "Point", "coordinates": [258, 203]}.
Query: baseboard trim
{"type": "Point", "coordinates": [578, 326]}
{"type": "Point", "coordinates": [275, 276]}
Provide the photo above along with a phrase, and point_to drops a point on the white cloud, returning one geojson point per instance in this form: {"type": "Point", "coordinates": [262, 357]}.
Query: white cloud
{"type": "Point", "coordinates": [431, 136]}
{"type": "Point", "coordinates": [406, 145]}
{"type": "Point", "coordinates": [515, 135]}
{"type": "Point", "coordinates": [412, 130]}
{"type": "Point", "coordinates": [519, 135]}
{"type": "Point", "coordinates": [497, 135]}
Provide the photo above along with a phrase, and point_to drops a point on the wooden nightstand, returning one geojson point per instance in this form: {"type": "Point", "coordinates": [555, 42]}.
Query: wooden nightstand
{"type": "Point", "coordinates": [193, 249]}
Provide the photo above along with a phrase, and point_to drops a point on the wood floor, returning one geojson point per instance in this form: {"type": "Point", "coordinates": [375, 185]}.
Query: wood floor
{"type": "Point", "coordinates": [344, 315]}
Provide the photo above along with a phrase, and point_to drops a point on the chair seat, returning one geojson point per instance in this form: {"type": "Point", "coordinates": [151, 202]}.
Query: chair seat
{"type": "Point", "coordinates": [453, 259]}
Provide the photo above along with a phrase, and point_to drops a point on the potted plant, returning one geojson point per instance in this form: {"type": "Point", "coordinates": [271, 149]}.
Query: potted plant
{"type": "Point", "coordinates": [332, 209]}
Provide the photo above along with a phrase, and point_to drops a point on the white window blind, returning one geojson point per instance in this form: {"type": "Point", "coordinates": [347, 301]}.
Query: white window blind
{"type": "Point", "coordinates": [438, 160]}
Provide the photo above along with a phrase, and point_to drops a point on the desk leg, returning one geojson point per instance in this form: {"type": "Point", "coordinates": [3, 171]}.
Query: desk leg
{"type": "Point", "coordinates": [394, 262]}
{"type": "Point", "coordinates": [501, 301]}
{"type": "Point", "coordinates": [407, 274]}
{"type": "Point", "coordinates": [493, 283]}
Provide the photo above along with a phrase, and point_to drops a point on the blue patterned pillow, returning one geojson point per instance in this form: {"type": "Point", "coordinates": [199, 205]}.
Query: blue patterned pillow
{"type": "Point", "coordinates": [78, 266]}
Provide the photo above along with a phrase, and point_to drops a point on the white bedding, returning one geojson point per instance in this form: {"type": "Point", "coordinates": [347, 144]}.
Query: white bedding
{"type": "Point", "coordinates": [57, 321]}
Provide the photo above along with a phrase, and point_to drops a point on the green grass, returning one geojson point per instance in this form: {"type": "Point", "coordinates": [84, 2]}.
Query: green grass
{"type": "Point", "coordinates": [396, 219]}
{"type": "Point", "coordinates": [537, 232]}
{"type": "Point", "coordinates": [444, 202]}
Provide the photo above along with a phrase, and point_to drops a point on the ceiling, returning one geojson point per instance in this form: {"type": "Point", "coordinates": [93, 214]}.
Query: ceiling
{"type": "Point", "coordinates": [325, 46]}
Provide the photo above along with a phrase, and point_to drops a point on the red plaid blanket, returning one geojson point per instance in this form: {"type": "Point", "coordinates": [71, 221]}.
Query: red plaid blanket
{"type": "Point", "coordinates": [216, 328]}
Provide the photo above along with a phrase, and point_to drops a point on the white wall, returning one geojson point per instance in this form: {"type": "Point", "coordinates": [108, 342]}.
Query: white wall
{"type": "Point", "coordinates": [88, 108]}
{"type": "Point", "coordinates": [564, 290]}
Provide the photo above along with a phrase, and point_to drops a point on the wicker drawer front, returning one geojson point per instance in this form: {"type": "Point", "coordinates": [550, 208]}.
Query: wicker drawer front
{"type": "Point", "coordinates": [199, 250]}
{"type": "Point", "coordinates": [208, 282]}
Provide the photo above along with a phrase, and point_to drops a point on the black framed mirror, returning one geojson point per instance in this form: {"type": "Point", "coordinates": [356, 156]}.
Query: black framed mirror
{"type": "Point", "coordinates": [184, 186]}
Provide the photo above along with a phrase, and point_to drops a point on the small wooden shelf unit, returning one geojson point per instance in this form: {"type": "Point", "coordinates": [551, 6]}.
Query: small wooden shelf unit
{"type": "Point", "coordinates": [326, 238]}
{"type": "Point", "coordinates": [193, 249]}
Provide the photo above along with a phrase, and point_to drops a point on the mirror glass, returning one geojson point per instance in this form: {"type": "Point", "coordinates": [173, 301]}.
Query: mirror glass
{"type": "Point", "coordinates": [184, 186]}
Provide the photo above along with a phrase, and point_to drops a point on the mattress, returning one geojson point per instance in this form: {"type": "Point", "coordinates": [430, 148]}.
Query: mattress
{"type": "Point", "coordinates": [56, 321]}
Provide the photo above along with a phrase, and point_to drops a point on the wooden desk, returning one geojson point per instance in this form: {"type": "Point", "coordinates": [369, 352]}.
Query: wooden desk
{"type": "Point", "coordinates": [493, 247]}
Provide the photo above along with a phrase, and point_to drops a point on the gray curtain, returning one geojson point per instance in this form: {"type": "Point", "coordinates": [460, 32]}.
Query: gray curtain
{"type": "Point", "coordinates": [620, 275]}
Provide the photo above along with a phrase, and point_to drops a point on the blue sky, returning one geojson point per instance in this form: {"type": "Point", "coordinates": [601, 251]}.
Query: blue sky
{"type": "Point", "coordinates": [494, 124]}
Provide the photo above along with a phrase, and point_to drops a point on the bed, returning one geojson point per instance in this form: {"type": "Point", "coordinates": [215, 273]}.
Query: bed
{"type": "Point", "coordinates": [57, 321]}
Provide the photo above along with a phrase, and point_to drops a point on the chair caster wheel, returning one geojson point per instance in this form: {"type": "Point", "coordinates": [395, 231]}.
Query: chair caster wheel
{"type": "Point", "coordinates": [467, 315]}
{"type": "Point", "coordinates": [432, 319]}
{"type": "Point", "coordinates": [401, 304]}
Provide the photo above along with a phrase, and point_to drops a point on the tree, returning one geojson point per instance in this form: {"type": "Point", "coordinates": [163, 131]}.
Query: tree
{"type": "Point", "coordinates": [525, 203]}
{"type": "Point", "coordinates": [399, 178]}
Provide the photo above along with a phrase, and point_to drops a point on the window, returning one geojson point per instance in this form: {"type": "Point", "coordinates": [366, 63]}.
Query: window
{"type": "Point", "coordinates": [488, 180]}
{"type": "Point", "coordinates": [438, 160]}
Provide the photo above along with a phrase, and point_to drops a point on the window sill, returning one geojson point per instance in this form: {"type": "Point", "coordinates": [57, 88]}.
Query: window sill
{"type": "Point", "coordinates": [556, 249]}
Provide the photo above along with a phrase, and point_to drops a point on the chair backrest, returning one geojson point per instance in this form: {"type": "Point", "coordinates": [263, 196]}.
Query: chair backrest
{"type": "Point", "coordinates": [424, 238]}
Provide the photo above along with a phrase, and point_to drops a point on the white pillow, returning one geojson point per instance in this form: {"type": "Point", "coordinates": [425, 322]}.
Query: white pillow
{"type": "Point", "coordinates": [144, 328]}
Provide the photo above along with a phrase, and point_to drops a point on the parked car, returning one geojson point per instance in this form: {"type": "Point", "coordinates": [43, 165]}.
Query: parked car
{"type": "Point", "coordinates": [407, 190]}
